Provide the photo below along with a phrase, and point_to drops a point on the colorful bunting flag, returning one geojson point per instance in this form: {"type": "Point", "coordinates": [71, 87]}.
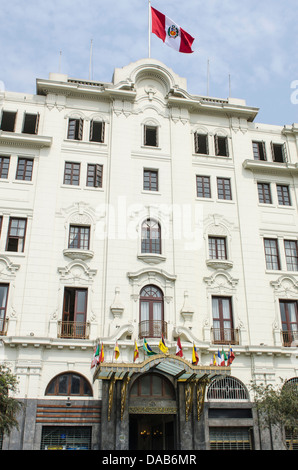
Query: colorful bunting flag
{"type": "Point", "coordinates": [162, 345]}
{"type": "Point", "coordinates": [195, 356]}
{"type": "Point", "coordinates": [95, 359]}
{"type": "Point", "coordinates": [147, 348]}
{"type": "Point", "coordinates": [116, 350]}
{"type": "Point", "coordinates": [179, 351]}
{"type": "Point", "coordinates": [136, 352]}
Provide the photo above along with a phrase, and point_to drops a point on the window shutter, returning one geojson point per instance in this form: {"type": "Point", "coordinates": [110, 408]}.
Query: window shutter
{"type": "Point", "coordinates": [102, 131]}
{"type": "Point", "coordinates": [37, 123]}
{"type": "Point", "coordinates": [80, 131]}
{"type": "Point", "coordinates": [285, 153]}
{"type": "Point", "coordinates": [216, 144]}
{"type": "Point", "coordinates": [91, 130]}
{"type": "Point", "coordinates": [196, 142]}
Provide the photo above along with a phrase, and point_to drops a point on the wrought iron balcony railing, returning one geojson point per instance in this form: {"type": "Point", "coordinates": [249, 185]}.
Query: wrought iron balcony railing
{"type": "Point", "coordinates": [289, 338]}
{"type": "Point", "coordinates": [224, 336]}
{"type": "Point", "coordinates": [72, 329]}
{"type": "Point", "coordinates": [153, 329]}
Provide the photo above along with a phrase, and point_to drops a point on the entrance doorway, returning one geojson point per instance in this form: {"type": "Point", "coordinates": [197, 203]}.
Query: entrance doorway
{"type": "Point", "coordinates": [152, 432]}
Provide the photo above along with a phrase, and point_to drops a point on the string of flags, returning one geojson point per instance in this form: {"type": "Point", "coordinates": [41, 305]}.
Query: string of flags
{"type": "Point", "coordinates": [221, 359]}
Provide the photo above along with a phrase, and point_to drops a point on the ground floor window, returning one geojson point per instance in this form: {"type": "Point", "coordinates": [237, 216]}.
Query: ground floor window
{"type": "Point", "coordinates": [66, 438]}
{"type": "Point", "coordinates": [230, 439]}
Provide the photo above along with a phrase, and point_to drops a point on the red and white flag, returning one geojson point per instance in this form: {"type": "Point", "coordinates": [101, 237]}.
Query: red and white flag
{"type": "Point", "coordinates": [170, 33]}
{"type": "Point", "coordinates": [179, 351]}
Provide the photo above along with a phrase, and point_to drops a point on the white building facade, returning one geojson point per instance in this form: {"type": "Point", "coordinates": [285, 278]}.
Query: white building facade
{"type": "Point", "coordinates": [131, 210]}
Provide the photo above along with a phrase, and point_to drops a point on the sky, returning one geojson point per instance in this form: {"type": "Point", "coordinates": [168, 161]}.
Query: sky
{"type": "Point", "coordinates": [251, 46]}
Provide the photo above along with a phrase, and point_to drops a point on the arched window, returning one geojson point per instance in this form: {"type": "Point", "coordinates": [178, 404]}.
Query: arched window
{"type": "Point", "coordinates": [69, 384]}
{"type": "Point", "coordinates": [151, 237]}
{"type": "Point", "coordinates": [152, 385]}
{"type": "Point", "coordinates": [227, 388]}
{"type": "Point", "coordinates": [152, 323]}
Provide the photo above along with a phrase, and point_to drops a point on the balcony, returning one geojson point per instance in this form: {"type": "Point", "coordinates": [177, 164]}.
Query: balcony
{"type": "Point", "coordinates": [224, 336]}
{"type": "Point", "coordinates": [153, 329]}
{"type": "Point", "coordinates": [289, 338]}
{"type": "Point", "coordinates": [3, 326]}
{"type": "Point", "coordinates": [73, 330]}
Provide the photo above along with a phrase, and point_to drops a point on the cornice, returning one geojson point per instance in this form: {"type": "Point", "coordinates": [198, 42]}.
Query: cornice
{"type": "Point", "coordinates": [265, 166]}
{"type": "Point", "coordinates": [24, 140]}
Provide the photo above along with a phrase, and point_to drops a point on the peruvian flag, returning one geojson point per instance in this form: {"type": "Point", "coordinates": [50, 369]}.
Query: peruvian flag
{"type": "Point", "coordinates": [170, 33]}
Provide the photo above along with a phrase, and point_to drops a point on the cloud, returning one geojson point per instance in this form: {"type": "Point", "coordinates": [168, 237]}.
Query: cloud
{"type": "Point", "coordinates": [255, 42]}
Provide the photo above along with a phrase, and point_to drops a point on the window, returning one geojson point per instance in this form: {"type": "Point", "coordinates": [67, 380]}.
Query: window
{"type": "Point", "coordinates": [152, 385]}
{"type": "Point", "coordinates": [151, 237]}
{"type": "Point", "coordinates": [79, 237]}
{"type": "Point", "coordinates": [230, 438]}
{"type": "Point", "coordinates": [16, 235]}
{"type": "Point", "coordinates": [203, 186]}
{"type": "Point", "coordinates": [150, 180]}
{"type": "Point", "coordinates": [259, 150]}
{"type": "Point", "coordinates": [201, 143]}
{"type": "Point", "coordinates": [72, 173]}
{"type": "Point", "coordinates": [221, 146]}
{"type": "Point", "coordinates": [75, 129]}
{"type": "Point", "coordinates": [223, 331]}
{"type": "Point", "coordinates": [66, 438]}
{"type": "Point", "coordinates": [4, 167]}
{"type": "Point", "coordinates": [291, 251]}
{"type": "Point", "coordinates": [69, 384]}
{"type": "Point", "coordinates": [289, 320]}
{"type": "Point", "coordinates": [3, 306]}
{"type": "Point", "coordinates": [278, 152]}
{"type": "Point", "coordinates": [94, 175]}
{"type": "Point", "coordinates": [151, 313]}
{"type": "Point", "coordinates": [24, 169]}
{"type": "Point", "coordinates": [271, 253]}
{"type": "Point", "coordinates": [30, 124]}
{"type": "Point", "coordinates": [97, 131]}
{"type": "Point", "coordinates": [227, 388]}
{"type": "Point", "coordinates": [264, 193]}
{"type": "Point", "coordinates": [224, 188]}
{"type": "Point", "coordinates": [8, 121]}
{"type": "Point", "coordinates": [217, 248]}
{"type": "Point", "coordinates": [150, 136]}
{"type": "Point", "coordinates": [283, 194]}
{"type": "Point", "coordinates": [74, 313]}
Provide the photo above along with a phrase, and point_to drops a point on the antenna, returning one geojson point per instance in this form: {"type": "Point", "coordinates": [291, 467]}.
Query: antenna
{"type": "Point", "coordinates": [208, 76]}
{"type": "Point", "coordinates": [90, 63]}
{"type": "Point", "coordinates": [60, 61]}
{"type": "Point", "coordinates": [229, 86]}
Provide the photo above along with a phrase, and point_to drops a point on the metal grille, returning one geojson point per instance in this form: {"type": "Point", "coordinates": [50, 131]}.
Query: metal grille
{"type": "Point", "coordinates": [66, 438]}
{"type": "Point", "coordinates": [227, 388]}
{"type": "Point", "coordinates": [230, 439]}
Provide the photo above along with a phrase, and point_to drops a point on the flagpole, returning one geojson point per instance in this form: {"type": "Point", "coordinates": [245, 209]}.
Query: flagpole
{"type": "Point", "coordinates": [149, 29]}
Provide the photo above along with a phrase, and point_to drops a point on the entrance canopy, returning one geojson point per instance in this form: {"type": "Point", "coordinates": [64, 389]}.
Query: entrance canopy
{"type": "Point", "coordinates": [175, 366]}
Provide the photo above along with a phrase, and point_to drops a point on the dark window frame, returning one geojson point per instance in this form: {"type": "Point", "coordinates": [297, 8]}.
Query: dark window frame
{"type": "Point", "coordinates": [75, 129]}
{"type": "Point", "coordinates": [79, 237]}
{"type": "Point", "coordinates": [72, 172]}
{"type": "Point", "coordinates": [151, 237]}
{"type": "Point", "coordinates": [11, 238]}
{"type": "Point", "coordinates": [283, 195]}
{"type": "Point", "coordinates": [272, 256]}
{"type": "Point", "coordinates": [151, 295]}
{"type": "Point", "coordinates": [291, 254]}
{"type": "Point", "coordinates": [97, 131]}
{"type": "Point", "coordinates": [221, 330]}
{"type": "Point", "coordinates": [150, 180]}
{"type": "Point", "coordinates": [221, 146]}
{"type": "Point", "coordinates": [203, 186]}
{"type": "Point", "coordinates": [217, 247]}
{"type": "Point", "coordinates": [24, 170]}
{"type": "Point", "coordinates": [150, 135]}
{"type": "Point", "coordinates": [224, 189]}
{"type": "Point", "coordinates": [264, 193]}
{"type": "Point", "coordinates": [279, 152]}
{"type": "Point", "coordinates": [12, 125]}
{"type": "Point", "coordinates": [259, 150]}
{"type": "Point", "coordinates": [30, 123]}
{"type": "Point", "coordinates": [53, 387]}
{"type": "Point", "coordinates": [4, 166]}
{"type": "Point", "coordinates": [288, 324]}
{"type": "Point", "coordinates": [3, 309]}
{"type": "Point", "coordinates": [201, 143]}
{"type": "Point", "coordinates": [94, 175]}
